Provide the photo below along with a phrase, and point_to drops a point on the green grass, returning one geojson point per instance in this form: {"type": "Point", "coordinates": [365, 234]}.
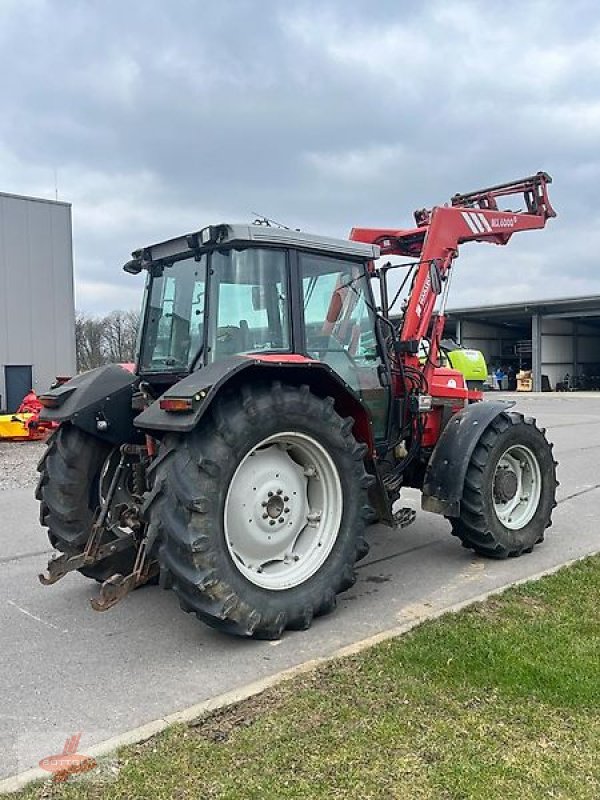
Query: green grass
{"type": "Point", "coordinates": [499, 701]}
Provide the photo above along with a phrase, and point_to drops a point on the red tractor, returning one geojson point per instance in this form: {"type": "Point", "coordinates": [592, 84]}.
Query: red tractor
{"type": "Point", "coordinates": [276, 411]}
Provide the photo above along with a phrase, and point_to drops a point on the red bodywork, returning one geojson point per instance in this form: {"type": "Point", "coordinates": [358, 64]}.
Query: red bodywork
{"type": "Point", "coordinates": [438, 233]}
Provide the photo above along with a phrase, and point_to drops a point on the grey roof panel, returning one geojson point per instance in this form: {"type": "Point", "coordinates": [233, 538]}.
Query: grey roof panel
{"type": "Point", "coordinates": [275, 236]}
{"type": "Point", "coordinates": [311, 241]}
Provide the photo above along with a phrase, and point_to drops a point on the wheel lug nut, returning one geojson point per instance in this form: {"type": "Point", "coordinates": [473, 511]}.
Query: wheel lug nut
{"type": "Point", "coordinates": [264, 503]}
{"type": "Point", "coordinates": [271, 522]}
{"type": "Point", "coordinates": [285, 498]}
{"type": "Point", "coordinates": [269, 494]}
{"type": "Point", "coordinates": [265, 516]}
{"type": "Point", "coordinates": [280, 519]}
{"type": "Point", "coordinates": [287, 511]}
{"type": "Point", "coordinates": [279, 491]}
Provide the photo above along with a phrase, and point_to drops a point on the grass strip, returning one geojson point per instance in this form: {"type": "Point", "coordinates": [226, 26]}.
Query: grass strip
{"type": "Point", "coordinates": [500, 700]}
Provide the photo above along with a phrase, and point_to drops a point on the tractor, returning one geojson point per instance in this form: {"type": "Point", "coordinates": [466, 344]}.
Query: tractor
{"type": "Point", "coordinates": [275, 412]}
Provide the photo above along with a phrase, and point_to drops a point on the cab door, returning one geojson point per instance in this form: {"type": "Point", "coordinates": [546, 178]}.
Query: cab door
{"type": "Point", "coordinates": [340, 328]}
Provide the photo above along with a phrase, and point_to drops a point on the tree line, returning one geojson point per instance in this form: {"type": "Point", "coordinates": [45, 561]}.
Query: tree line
{"type": "Point", "coordinates": [106, 339]}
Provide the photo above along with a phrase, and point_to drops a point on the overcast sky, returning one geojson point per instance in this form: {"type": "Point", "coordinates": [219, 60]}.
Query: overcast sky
{"type": "Point", "coordinates": [161, 117]}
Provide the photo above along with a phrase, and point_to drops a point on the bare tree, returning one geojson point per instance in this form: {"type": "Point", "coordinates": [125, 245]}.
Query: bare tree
{"type": "Point", "coordinates": [120, 333]}
{"type": "Point", "coordinates": [105, 340]}
{"type": "Point", "coordinates": [88, 342]}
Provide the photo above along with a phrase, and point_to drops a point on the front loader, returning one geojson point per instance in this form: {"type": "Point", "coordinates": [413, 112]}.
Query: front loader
{"type": "Point", "coordinates": [275, 412]}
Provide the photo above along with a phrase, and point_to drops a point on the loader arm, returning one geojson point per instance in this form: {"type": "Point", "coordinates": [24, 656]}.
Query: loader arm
{"type": "Point", "coordinates": [473, 216]}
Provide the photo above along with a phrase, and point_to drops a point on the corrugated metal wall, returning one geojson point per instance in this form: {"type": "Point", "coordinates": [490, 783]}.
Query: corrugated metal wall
{"type": "Point", "coordinates": [37, 309]}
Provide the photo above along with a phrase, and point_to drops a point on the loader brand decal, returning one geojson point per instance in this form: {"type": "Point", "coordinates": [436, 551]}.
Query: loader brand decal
{"type": "Point", "coordinates": [476, 222]}
{"type": "Point", "coordinates": [423, 296]}
{"type": "Point", "coordinates": [504, 222]}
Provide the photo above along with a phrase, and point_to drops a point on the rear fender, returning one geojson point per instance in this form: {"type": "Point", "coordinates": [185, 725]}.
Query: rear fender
{"type": "Point", "coordinates": [447, 468]}
{"type": "Point", "coordinates": [203, 386]}
{"type": "Point", "coordinates": [98, 402]}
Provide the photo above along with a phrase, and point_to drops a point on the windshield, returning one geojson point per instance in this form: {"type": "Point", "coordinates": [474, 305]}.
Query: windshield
{"type": "Point", "coordinates": [174, 329]}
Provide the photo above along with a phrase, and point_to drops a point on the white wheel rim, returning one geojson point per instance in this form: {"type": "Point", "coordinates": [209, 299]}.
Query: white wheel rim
{"type": "Point", "coordinates": [283, 511]}
{"type": "Point", "coordinates": [517, 468]}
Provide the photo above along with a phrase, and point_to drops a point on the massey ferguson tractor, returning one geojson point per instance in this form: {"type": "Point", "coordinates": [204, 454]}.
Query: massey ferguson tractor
{"type": "Point", "coordinates": [275, 411]}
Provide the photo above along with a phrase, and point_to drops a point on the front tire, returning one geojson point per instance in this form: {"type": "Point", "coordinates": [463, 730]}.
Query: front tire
{"type": "Point", "coordinates": [261, 511]}
{"type": "Point", "coordinates": [509, 490]}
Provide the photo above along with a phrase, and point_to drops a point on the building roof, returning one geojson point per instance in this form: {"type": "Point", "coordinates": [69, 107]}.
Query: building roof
{"type": "Point", "coordinates": [34, 199]}
{"type": "Point", "coordinates": [563, 307]}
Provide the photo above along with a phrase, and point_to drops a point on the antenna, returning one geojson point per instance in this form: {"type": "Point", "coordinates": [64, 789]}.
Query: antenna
{"type": "Point", "coordinates": [55, 184]}
{"type": "Point", "coordinates": [262, 220]}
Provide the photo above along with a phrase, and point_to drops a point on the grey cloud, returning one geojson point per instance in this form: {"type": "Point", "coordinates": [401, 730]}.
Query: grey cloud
{"type": "Point", "coordinates": [160, 117]}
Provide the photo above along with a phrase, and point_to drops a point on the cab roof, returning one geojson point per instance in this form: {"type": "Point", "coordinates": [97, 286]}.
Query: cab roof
{"type": "Point", "coordinates": [225, 234]}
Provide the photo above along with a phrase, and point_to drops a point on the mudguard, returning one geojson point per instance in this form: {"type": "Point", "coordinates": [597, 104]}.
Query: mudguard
{"type": "Point", "coordinates": [202, 386]}
{"type": "Point", "coordinates": [447, 468]}
{"type": "Point", "coordinates": [102, 395]}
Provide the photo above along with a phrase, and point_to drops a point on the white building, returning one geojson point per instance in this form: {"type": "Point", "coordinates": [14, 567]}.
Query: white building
{"type": "Point", "coordinates": [37, 310]}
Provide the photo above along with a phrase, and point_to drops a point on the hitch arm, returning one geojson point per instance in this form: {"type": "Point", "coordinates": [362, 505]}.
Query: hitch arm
{"type": "Point", "coordinates": [94, 551]}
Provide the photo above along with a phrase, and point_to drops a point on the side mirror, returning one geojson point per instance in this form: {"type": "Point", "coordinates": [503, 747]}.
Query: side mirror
{"type": "Point", "coordinates": [435, 276]}
{"type": "Point", "coordinates": [259, 298]}
{"type": "Point", "coordinates": [133, 267]}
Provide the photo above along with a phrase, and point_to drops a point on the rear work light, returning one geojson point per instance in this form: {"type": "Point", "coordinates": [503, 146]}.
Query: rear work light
{"type": "Point", "coordinates": [180, 405]}
{"type": "Point", "coordinates": [212, 234]}
{"type": "Point", "coordinates": [50, 402]}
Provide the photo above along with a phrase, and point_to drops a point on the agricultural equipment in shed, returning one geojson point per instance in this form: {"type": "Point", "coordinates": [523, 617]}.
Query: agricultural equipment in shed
{"type": "Point", "coordinates": [275, 412]}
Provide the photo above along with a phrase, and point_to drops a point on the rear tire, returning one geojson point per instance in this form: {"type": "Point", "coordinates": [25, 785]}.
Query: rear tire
{"type": "Point", "coordinates": [68, 492]}
{"type": "Point", "coordinates": [509, 490]}
{"type": "Point", "coordinates": [221, 559]}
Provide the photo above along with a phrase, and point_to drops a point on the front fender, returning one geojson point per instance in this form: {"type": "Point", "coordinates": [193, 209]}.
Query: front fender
{"type": "Point", "coordinates": [447, 468]}
{"type": "Point", "coordinates": [101, 395]}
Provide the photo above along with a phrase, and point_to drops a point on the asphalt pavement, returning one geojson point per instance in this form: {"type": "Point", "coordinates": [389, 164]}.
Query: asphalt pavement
{"type": "Point", "coordinates": [65, 669]}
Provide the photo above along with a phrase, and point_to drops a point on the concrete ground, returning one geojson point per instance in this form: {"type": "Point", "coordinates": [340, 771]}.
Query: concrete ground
{"type": "Point", "coordinates": [66, 669]}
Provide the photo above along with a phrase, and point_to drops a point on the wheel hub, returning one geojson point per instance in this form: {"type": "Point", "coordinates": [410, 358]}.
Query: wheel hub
{"type": "Point", "coordinates": [274, 505]}
{"type": "Point", "coordinates": [505, 485]}
{"type": "Point", "coordinates": [516, 487]}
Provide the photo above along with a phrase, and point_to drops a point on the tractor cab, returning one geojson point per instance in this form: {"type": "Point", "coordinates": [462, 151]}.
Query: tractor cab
{"type": "Point", "coordinates": [233, 290]}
